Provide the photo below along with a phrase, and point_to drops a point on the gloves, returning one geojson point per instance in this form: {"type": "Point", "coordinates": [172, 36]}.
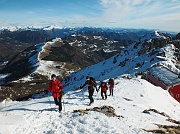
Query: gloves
{"type": "Point", "coordinates": [62, 93]}
{"type": "Point", "coordinates": [46, 91]}
{"type": "Point", "coordinates": [80, 87]}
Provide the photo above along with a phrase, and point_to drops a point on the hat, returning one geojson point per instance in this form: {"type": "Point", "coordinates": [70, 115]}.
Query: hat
{"type": "Point", "coordinates": [87, 77]}
{"type": "Point", "coordinates": [53, 76]}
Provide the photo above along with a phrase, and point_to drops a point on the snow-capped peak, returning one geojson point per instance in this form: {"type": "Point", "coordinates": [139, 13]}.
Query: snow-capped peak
{"type": "Point", "coordinates": [16, 28]}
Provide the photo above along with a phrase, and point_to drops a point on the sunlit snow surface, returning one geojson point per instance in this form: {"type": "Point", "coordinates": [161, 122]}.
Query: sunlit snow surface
{"type": "Point", "coordinates": [131, 98]}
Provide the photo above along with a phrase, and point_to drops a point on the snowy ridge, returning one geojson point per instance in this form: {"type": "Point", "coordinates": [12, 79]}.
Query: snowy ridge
{"type": "Point", "coordinates": [128, 61]}
{"type": "Point", "coordinates": [132, 97]}
{"type": "Point", "coordinates": [24, 28]}
{"type": "Point", "coordinates": [43, 67]}
{"type": "Point", "coordinates": [47, 67]}
{"type": "Point", "coordinates": [154, 35]}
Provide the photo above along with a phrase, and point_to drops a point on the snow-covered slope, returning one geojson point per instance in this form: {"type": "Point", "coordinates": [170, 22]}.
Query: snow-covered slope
{"type": "Point", "coordinates": [138, 106]}
{"type": "Point", "coordinates": [152, 49]}
{"type": "Point", "coordinates": [47, 67]}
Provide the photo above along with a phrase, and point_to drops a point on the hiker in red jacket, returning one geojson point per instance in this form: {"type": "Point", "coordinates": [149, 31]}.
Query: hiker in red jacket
{"type": "Point", "coordinates": [104, 89]}
{"type": "Point", "coordinates": [111, 86]}
{"type": "Point", "coordinates": [56, 87]}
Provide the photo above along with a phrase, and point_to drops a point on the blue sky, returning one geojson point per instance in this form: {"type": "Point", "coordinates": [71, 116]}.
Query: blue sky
{"type": "Point", "coordinates": [150, 14]}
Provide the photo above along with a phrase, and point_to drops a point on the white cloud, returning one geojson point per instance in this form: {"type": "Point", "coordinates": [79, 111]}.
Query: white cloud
{"type": "Point", "coordinates": [110, 13]}
{"type": "Point", "coordinates": [139, 13]}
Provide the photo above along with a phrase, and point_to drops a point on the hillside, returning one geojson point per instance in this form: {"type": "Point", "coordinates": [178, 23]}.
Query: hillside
{"type": "Point", "coordinates": [17, 42]}
{"type": "Point", "coordinates": [153, 48]}
{"type": "Point", "coordinates": [14, 40]}
{"type": "Point", "coordinates": [63, 57]}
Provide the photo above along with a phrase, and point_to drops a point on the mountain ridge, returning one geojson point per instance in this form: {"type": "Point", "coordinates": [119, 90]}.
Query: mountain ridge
{"type": "Point", "coordinates": [138, 57]}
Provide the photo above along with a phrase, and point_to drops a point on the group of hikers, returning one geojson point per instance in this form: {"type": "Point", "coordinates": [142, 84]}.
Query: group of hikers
{"type": "Point", "coordinates": [56, 88]}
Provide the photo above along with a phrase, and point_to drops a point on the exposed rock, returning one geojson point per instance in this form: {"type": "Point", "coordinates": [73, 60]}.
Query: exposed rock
{"type": "Point", "coordinates": [164, 129]}
{"type": "Point", "coordinates": [155, 111]}
{"type": "Point", "coordinates": [107, 110]}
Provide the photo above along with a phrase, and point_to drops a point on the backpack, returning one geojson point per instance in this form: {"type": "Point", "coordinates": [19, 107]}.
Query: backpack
{"type": "Point", "coordinates": [111, 81]}
{"type": "Point", "coordinates": [93, 80]}
{"type": "Point", "coordinates": [105, 84]}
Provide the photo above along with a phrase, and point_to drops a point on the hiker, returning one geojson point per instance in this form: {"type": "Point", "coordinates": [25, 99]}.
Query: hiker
{"type": "Point", "coordinates": [111, 86]}
{"type": "Point", "coordinates": [91, 84]}
{"type": "Point", "coordinates": [56, 87]}
{"type": "Point", "coordinates": [104, 89]}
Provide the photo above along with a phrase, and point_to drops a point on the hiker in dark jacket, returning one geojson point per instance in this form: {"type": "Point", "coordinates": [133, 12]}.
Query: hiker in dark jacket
{"type": "Point", "coordinates": [56, 87]}
{"type": "Point", "coordinates": [104, 89]}
{"type": "Point", "coordinates": [91, 84]}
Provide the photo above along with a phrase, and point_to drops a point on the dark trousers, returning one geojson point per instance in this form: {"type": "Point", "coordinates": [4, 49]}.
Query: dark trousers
{"type": "Point", "coordinates": [58, 102]}
{"type": "Point", "coordinates": [91, 92]}
{"type": "Point", "coordinates": [111, 92]}
{"type": "Point", "coordinates": [103, 95]}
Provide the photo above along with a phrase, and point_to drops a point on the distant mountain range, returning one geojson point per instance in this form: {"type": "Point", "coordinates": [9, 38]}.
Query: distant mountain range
{"type": "Point", "coordinates": [65, 31]}
{"type": "Point", "coordinates": [30, 56]}
{"type": "Point", "coordinates": [15, 40]}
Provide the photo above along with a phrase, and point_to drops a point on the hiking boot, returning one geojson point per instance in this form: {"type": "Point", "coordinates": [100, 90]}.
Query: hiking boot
{"type": "Point", "coordinates": [90, 103]}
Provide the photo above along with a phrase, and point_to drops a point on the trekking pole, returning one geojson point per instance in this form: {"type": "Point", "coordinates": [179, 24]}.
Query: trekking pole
{"type": "Point", "coordinates": [49, 101]}
{"type": "Point", "coordinates": [82, 93]}
{"type": "Point", "coordinates": [5, 106]}
{"type": "Point", "coordinates": [63, 104]}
